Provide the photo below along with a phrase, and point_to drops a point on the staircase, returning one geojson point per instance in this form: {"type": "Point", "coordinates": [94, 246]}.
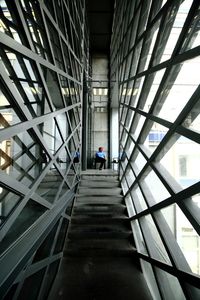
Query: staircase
{"type": "Point", "coordinates": [100, 259]}
{"type": "Point", "coordinates": [100, 224]}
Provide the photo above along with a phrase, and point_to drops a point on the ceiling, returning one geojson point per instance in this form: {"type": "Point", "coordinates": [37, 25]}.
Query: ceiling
{"type": "Point", "coordinates": [100, 16]}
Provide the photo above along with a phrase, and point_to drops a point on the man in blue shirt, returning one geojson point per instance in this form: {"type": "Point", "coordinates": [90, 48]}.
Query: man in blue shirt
{"type": "Point", "coordinates": [100, 157]}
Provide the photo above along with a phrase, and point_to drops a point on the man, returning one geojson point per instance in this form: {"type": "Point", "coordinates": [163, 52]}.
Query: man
{"type": "Point", "coordinates": [100, 157]}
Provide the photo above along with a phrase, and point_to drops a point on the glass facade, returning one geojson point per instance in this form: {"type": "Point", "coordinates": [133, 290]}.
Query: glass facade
{"type": "Point", "coordinates": [155, 55]}
{"type": "Point", "coordinates": [43, 60]}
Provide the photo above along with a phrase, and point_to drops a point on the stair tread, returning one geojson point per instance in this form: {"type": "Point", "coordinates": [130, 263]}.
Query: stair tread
{"type": "Point", "coordinates": [112, 234]}
{"type": "Point", "coordinates": [99, 208]}
{"type": "Point", "coordinates": [103, 243]}
{"type": "Point", "coordinates": [105, 220]}
{"type": "Point", "coordinates": [101, 226]}
{"type": "Point", "coordinates": [103, 184]}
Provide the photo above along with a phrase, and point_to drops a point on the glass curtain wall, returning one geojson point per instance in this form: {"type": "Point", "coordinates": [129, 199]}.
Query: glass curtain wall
{"type": "Point", "coordinates": [43, 51]}
{"type": "Point", "coordinates": [155, 57]}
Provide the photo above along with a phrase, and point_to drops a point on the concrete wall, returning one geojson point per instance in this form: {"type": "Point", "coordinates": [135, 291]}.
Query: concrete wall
{"type": "Point", "coordinates": [99, 124]}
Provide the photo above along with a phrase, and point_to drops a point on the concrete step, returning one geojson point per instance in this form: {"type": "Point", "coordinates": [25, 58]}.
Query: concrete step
{"type": "Point", "coordinates": [101, 206]}
{"type": "Point", "coordinates": [99, 191]}
{"type": "Point", "coordinates": [100, 213]}
{"type": "Point", "coordinates": [99, 183]}
{"type": "Point", "coordinates": [104, 220]}
{"type": "Point", "coordinates": [99, 232]}
{"type": "Point", "coordinates": [100, 199]}
{"type": "Point", "coordinates": [100, 247]}
{"type": "Point", "coordinates": [100, 177]}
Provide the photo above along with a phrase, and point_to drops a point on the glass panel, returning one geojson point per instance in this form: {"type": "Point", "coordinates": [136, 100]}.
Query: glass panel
{"type": "Point", "coordinates": [8, 201]}
{"type": "Point", "coordinates": [182, 83]}
{"type": "Point", "coordinates": [8, 116]}
{"type": "Point", "coordinates": [134, 28]}
{"type": "Point", "coordinates": [124, 114]}
{"type": "Point", "coordinates": [171, 30]}
{"type": "Point", "coordinates": [150, 89]}
{"type": "Point", "coordinates": [157, 189]}
{"type": "Point", "coordinates": [53, 88]}
{"type": "Point", "coordinates": [187, 238]}
{"type": "Point", "coordinates": [51, 135]}
{"type": "Point", "coordinates": [130, 177]}
{"type": "Point", "coordinates": [181, 160]}
{"type": "Point", "coordinates": [150, 278]}
{"type": "Point", "coordinates": [124, 186]}
{"type": "Point", "coordinates": [155, 136]}
{"type": "Point", "coordinates": [189, 241]}
{"type": "Point", "coordinates": [193, 206]}
{"type": "Point", "coordinates": [129, 206]}
{"type": "Point", "coordinates": [140, 122]}
{"type": "Point", "coordinates": [138, 199]}
{"type": "Point", "coordinates": [169, 285]}
{"type": "Point", "coordinates": [153, 240]}
{"type": "Point", "coordinates": [192, 121]}
{"type": "Point", "coordinates": [135, 59]}
{"type": "Point", "coordinates": [194, 292]}
{"type": "Point", "coordinates": [136, 91]}
{"type": "Point", "coordinates": [71, 178]}
{"type": "Point", "coordinates": [140, 162]}
{"type": "Point", "coordinates": [149, 46]}
{"type": "Point", "coordinates": [30, 214]}
{"type": "Point", "coordinates": [21, 157]}
{"type": "Point", "coordinates": [51, 186]}
{"type": "Point", "coordinates": [139, 240]}
{"type": "Point", "coordinates": [61, 237]}
{"type": "Point", "coordinates": [64, 160]}
{"type": "Point", "coordinates": [192, 39]}
{"type": "Point", "coordinates": [129, 118]}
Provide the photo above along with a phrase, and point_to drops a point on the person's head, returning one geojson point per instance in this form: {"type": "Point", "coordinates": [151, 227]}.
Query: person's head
{"type": "Point", "coordinates": [101, 149]}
